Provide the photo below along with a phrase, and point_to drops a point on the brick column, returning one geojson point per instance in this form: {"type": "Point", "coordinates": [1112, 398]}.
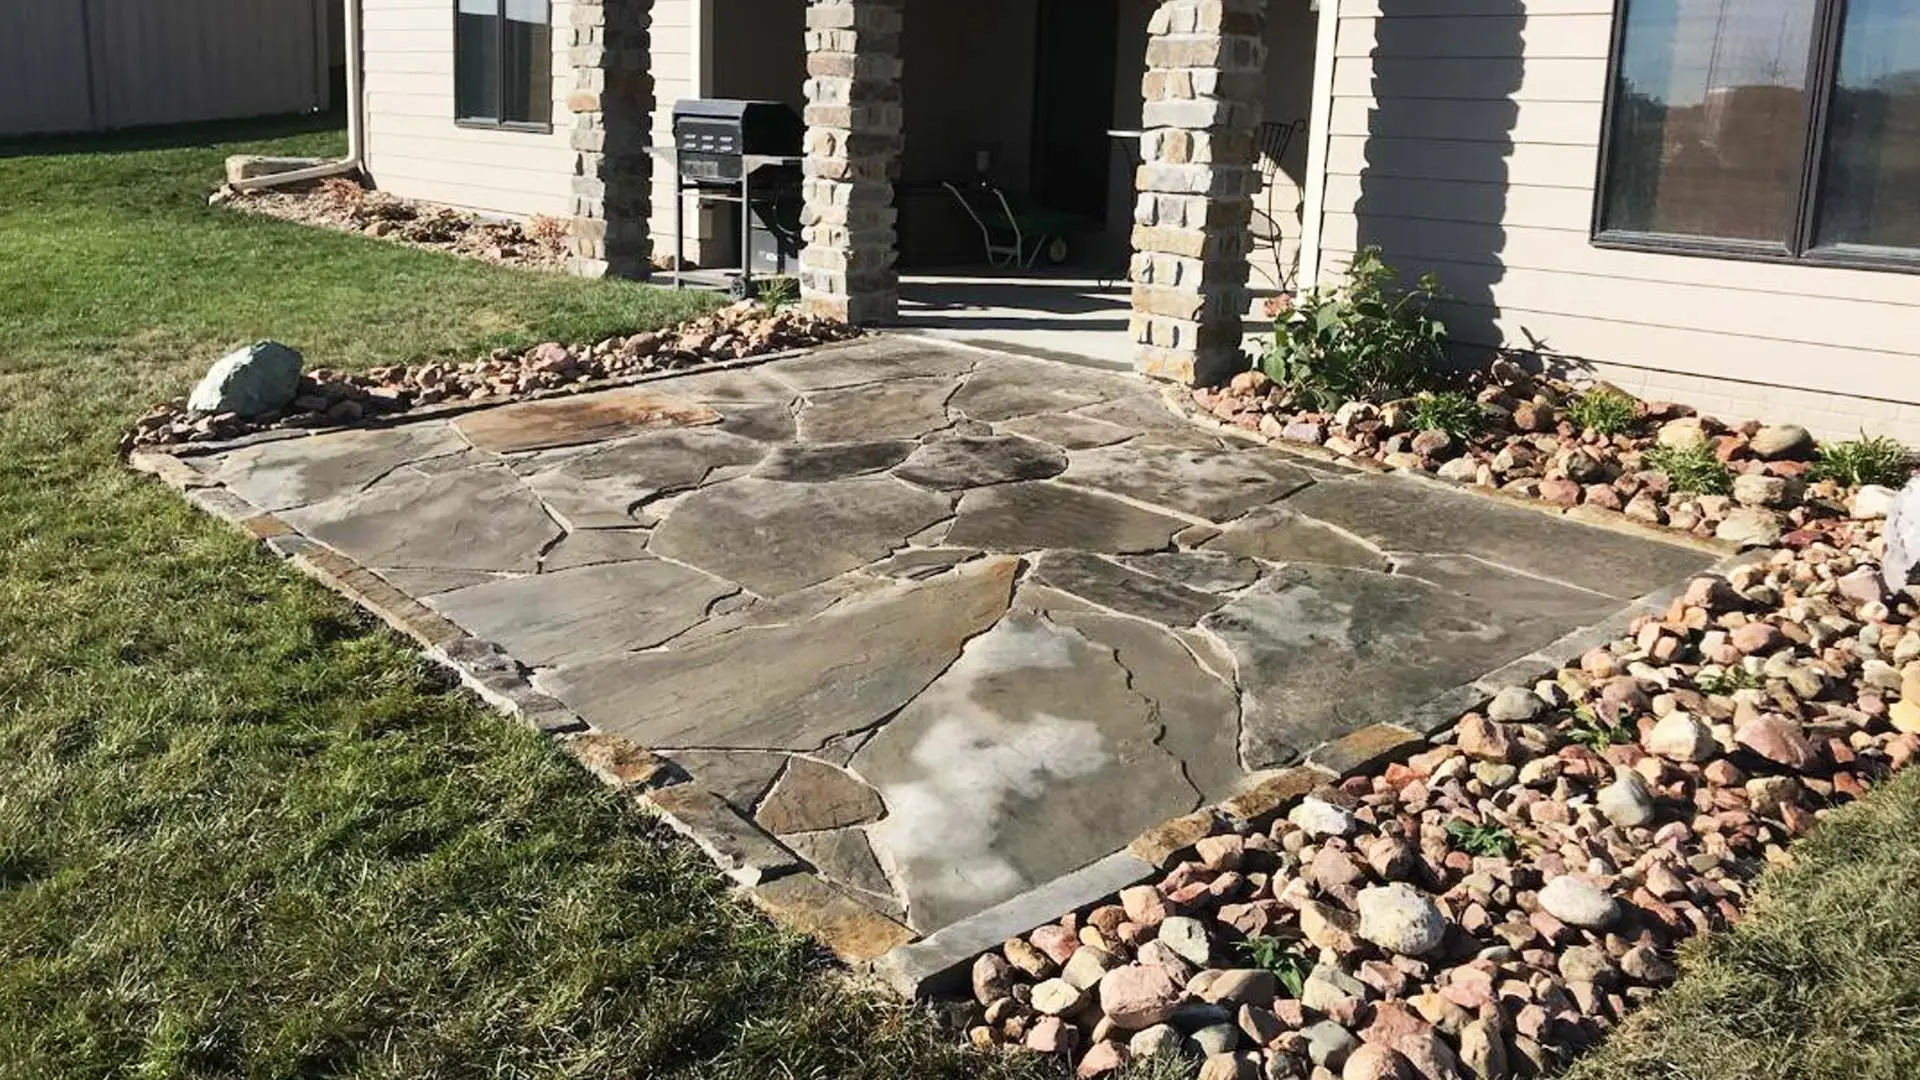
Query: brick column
{"type": "Point", "coordinates": [611, 102]}
{"type": "Point", "coordinates": [853, 157]}
{"type": "Point", "coordinates": [1205, 88]}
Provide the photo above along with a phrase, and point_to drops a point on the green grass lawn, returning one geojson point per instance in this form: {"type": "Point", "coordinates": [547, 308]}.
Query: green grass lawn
{"type": "Point", "coordinates": [245, 832]}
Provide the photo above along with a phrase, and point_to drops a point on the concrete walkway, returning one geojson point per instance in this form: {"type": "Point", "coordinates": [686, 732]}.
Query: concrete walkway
{"type": "Point", "coordinates": [942, 624]}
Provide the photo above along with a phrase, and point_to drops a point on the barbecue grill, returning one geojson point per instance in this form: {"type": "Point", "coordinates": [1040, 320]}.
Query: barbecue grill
{"type": "Point", "coordinates": [747, 154]}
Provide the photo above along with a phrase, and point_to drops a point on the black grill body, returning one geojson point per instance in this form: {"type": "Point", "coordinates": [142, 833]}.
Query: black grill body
{"type": "Point", "coordinates": [714, 136]}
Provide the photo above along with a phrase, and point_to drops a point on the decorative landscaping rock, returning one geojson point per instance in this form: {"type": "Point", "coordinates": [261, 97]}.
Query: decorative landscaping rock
{"type": "Point", "coordinates": [1139, 996]}
{"type": "Point", "coordinates": [249, 383]}
{"type": "Point", "coordinates": [1322, 819]}
{"type": "Point", "coordinates": [1680, 736]}
{"type": "Point", "coordinates": [1401, 919]}
{"type": "Point", "coordinates": [1626, 802]}
{"type": "Point", "coordinates": [1577, 903]}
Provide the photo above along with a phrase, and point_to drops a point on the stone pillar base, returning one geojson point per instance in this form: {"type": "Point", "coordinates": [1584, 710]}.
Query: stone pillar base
{"type": "Point", "coordinates": [1204, 90]}
{"type": "Point", "coordinates": [854, 124]}
{"type": "Point", "coordinates": [612, 99]}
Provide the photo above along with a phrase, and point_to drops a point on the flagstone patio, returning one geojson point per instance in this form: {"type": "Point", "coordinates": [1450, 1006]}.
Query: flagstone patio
{"type": "Point", "coordinates": [941, 624]}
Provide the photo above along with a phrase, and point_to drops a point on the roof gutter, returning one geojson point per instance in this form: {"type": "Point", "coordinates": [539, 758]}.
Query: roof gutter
{"type": "Point", "coordinates": [356, 121]}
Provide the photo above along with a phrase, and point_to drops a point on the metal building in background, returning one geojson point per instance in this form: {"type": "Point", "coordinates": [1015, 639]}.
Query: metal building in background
{"type": "Point", "coordinates": [96, 65]}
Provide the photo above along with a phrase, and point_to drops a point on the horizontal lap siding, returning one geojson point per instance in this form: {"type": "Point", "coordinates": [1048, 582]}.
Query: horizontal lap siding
{"type": "Point", "coordinates": [415, 150]}
{"type": "Point", "coordinates": [1463, 138]}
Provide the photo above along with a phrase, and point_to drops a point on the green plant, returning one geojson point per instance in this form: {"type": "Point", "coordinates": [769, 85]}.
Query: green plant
{"type": "Point", "coordinates": [1692, 470]}
{"type": "Point", "coordinates": [1596, 733]}
{"type": "Point", "coordinates": [1869, 459]}
{"type": "Point", "coordinates": [1474, 839]}
{"type": "Point", "coordinates": [1726, 681]}
{"type": "Point", "coordinates": [1372, 338]}
{"type": "Point", "coordinates": [1454, 413]}
{"type": "Point", "coordinates": [779, 292]}
{"type": "Point", "coordinates": [1283, 957]}
{"type": "Point", "coordinates": [1603, 410]}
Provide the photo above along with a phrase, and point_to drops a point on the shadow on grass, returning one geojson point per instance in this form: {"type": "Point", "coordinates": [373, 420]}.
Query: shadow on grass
{"type": "Point", "coordinates": [174, 136]}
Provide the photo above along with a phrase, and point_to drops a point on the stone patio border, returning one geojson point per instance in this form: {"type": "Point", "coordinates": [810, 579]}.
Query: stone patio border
{"type": "Point", "coordinates": [770, 876]}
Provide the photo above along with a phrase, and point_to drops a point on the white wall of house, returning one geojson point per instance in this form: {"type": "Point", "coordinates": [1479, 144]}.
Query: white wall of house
{"type": "Point", "coordinates": [1464, 139]}
{"type": "Point", "coordinates": [414, 148]}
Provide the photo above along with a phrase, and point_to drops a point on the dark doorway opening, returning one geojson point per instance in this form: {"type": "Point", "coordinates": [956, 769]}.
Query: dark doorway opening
{"type": "Point", "coordinates": [1075, 66]}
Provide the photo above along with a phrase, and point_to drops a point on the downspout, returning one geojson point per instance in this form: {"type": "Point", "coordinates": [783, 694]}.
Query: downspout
{"type": "Point", "coordinates": [356, 121]}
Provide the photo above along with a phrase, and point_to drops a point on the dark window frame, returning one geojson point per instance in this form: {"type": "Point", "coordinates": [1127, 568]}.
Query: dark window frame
{"type": "Point", "coordinates": [1801, 247]}
{"type": "Point", "coordinates": [532, 127]}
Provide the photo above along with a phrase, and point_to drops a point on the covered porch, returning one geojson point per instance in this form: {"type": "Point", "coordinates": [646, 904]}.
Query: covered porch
{"type": "Point", "coordinates": [1153, 153]}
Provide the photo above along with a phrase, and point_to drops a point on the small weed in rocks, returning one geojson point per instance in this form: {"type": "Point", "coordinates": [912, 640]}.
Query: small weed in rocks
{"type": "Point", "coordinates": [1281, 956]}
{"type": "Point", "coordinates": [1604, 411]}
{"type": "Point", "coordinates": [1454, 413]}
{"type": "Point", "coordinates": [1493, 840]}
{"type": "Point", "coordinates": [1595, 733]}
{"type": "Point", "coordinates": [1869, 459]}
{"type": "Point", "coordinates": [1693, 469]}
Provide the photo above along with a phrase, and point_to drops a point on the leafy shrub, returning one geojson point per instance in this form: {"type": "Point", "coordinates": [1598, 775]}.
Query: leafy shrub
{"type": "Point", "coordinates": [1474, 839]}
{"type": "Point", "coordinates": [778, 292]}
{"type": "Point", "coordinates": [1869, 459]}
{"type": "Point", "coordinates": [1281, 956]}
{"type": "Point", "coordinates": [1727, 681]}
{"type": "Point", "coordinates": [1603, 410]}
{"type": "Point", "coordinates": [1370, 339]}
{"type": "Point", "coordinates": [1596, 733]}
{"type": "Point", "coordinates": [1692, 470]}
{"type": "Point", "coordinates": [1454, 413]}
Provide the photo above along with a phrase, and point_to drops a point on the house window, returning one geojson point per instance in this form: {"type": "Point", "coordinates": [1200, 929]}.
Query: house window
{"type": "Point", "coordinates": [1781, 129]}
{"type": "Point", "coordinates": [503, 63]}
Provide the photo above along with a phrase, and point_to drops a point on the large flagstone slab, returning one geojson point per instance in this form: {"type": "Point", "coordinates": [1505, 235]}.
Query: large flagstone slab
{"type": "Point", "coordinates": [878, 360]}
{"type": "Point", "coordinates": [1277, 534]}
{"type": "Point", "coordinates": [1131, 592]}
{"type": "Point", "coordinates": [577, 615]}
{"type": "Point", "coordinates": [1218, 485]}
{"type": "Point", "coordinates": [294, 472]}
{"type": "Point", "coordinates": [477, 517]}
{"type": "Point", "coordinates": [1324, 650]}
{"type": "Point", "coordinates": [600, 487]}
{"type": "Point", "coordinates": [775, 537]}
{"type": "Point", "coordinates": [901, 409]}
{"type": "Point", "coordinates": [572, 421]}
{"type": "Point", "coordinates": [1400, 514]}
{"type": "Point", "coordinates": [1002, 388]}
{"type": "Point", "coordinates": [952, 463]}
{"type": "Point", "coordinates": [1029, 758]}
{"type": "Point", "coordinates": [1038, 516]}
{"type": "Point", "coordinates": [797, 686]}
{"type": "Point", "coordinates": [810, 463]}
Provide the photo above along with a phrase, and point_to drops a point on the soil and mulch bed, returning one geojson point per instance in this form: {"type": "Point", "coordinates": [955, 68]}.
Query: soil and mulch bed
{"type": "Point", "coordinates": [538, 243]}
{"type": "Point", "coordinates": [1530, 447]}
{"type": "Point", "coordinates": [1492, 905]}
{"type": "Point", "coordinates": [329, 398]}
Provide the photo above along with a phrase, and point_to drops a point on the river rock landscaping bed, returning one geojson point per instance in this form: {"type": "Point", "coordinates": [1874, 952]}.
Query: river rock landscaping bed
{"type": "Point", "coordinates": [1528, 445]}
{"type": "Point", "coordinates": [538, 243]}
{"type": "Point", "coordinates": [331, 398]}
{"type": "Point", "coordinates": [1494, 904]}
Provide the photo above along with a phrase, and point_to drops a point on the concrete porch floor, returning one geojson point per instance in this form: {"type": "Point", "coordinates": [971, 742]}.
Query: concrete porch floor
{"type": "Point", "coordinates": [931, 628]}
{"type": "Point", "coordinates": [1064, 315]}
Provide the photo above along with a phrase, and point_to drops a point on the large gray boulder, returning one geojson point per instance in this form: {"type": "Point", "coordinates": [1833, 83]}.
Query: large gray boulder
{"type": "Point", "coordinates": [259, 379]}
{"type": "Point", "coordinates": [1903, 538]}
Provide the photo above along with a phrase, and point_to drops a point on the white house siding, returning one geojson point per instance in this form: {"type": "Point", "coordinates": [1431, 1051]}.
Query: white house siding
{"type": "Point", "coordinates": [414, 148]}
{"type": "Point", "coordinates": [79, 65]}
{"type": "Point", "coordinates": [1464, 139]}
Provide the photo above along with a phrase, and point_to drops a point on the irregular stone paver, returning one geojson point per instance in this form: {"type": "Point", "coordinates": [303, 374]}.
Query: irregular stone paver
{"type": "Point", "coordinates": [1218, 485]}
{"type": "Point", "coordinates": [832, 461]}
{"type": "Point", "coordinates": [481, 518]}
{"type": "Point", "coordinates": [814, 797]}
{"type": "Point", "coordinates": [572, 421]}
{"type": "Point", "coordinates": [1034, 517]}
{"type": "Point", "coordinates": [1070, 431]}
{"type": "Point", "coordinates": [879, 360]}
{"type": "Point", "coordinates": [1282, 535]}
{"type": "Point", "coordinates": [599, 489]}
{"type": "Point", "coordinates": [965, 461]}
{"type": "Point", "coordinates": [1028, 752]}
{"type": "Point", "coordinates": [904, 409]}
{"type": "Point", "coordinates": [1130, 592]}
{"type": "Point", "coordinates": [1208, 571]}
{"type": "Point", "coordinates": [276, 476]}
{"type": "Point", "coordinates": [595, 547]}
{"type": "Point", "coordinates": [578, 615]}
{"type": "Point", "coordinates": [947, 685]}
{"type": "Point", "coordinates": [1402, 514]}
{"type": "Point", "coordinates": [795, 686]}
{"type": "Point", "coordinates": [774, 538]}
{"type": "Point", "coordinates": [845, 856]}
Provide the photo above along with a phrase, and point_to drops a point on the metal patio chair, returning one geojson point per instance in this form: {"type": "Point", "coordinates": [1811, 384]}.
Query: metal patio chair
{"type": "Point", "coordinates": [1275, 140]}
